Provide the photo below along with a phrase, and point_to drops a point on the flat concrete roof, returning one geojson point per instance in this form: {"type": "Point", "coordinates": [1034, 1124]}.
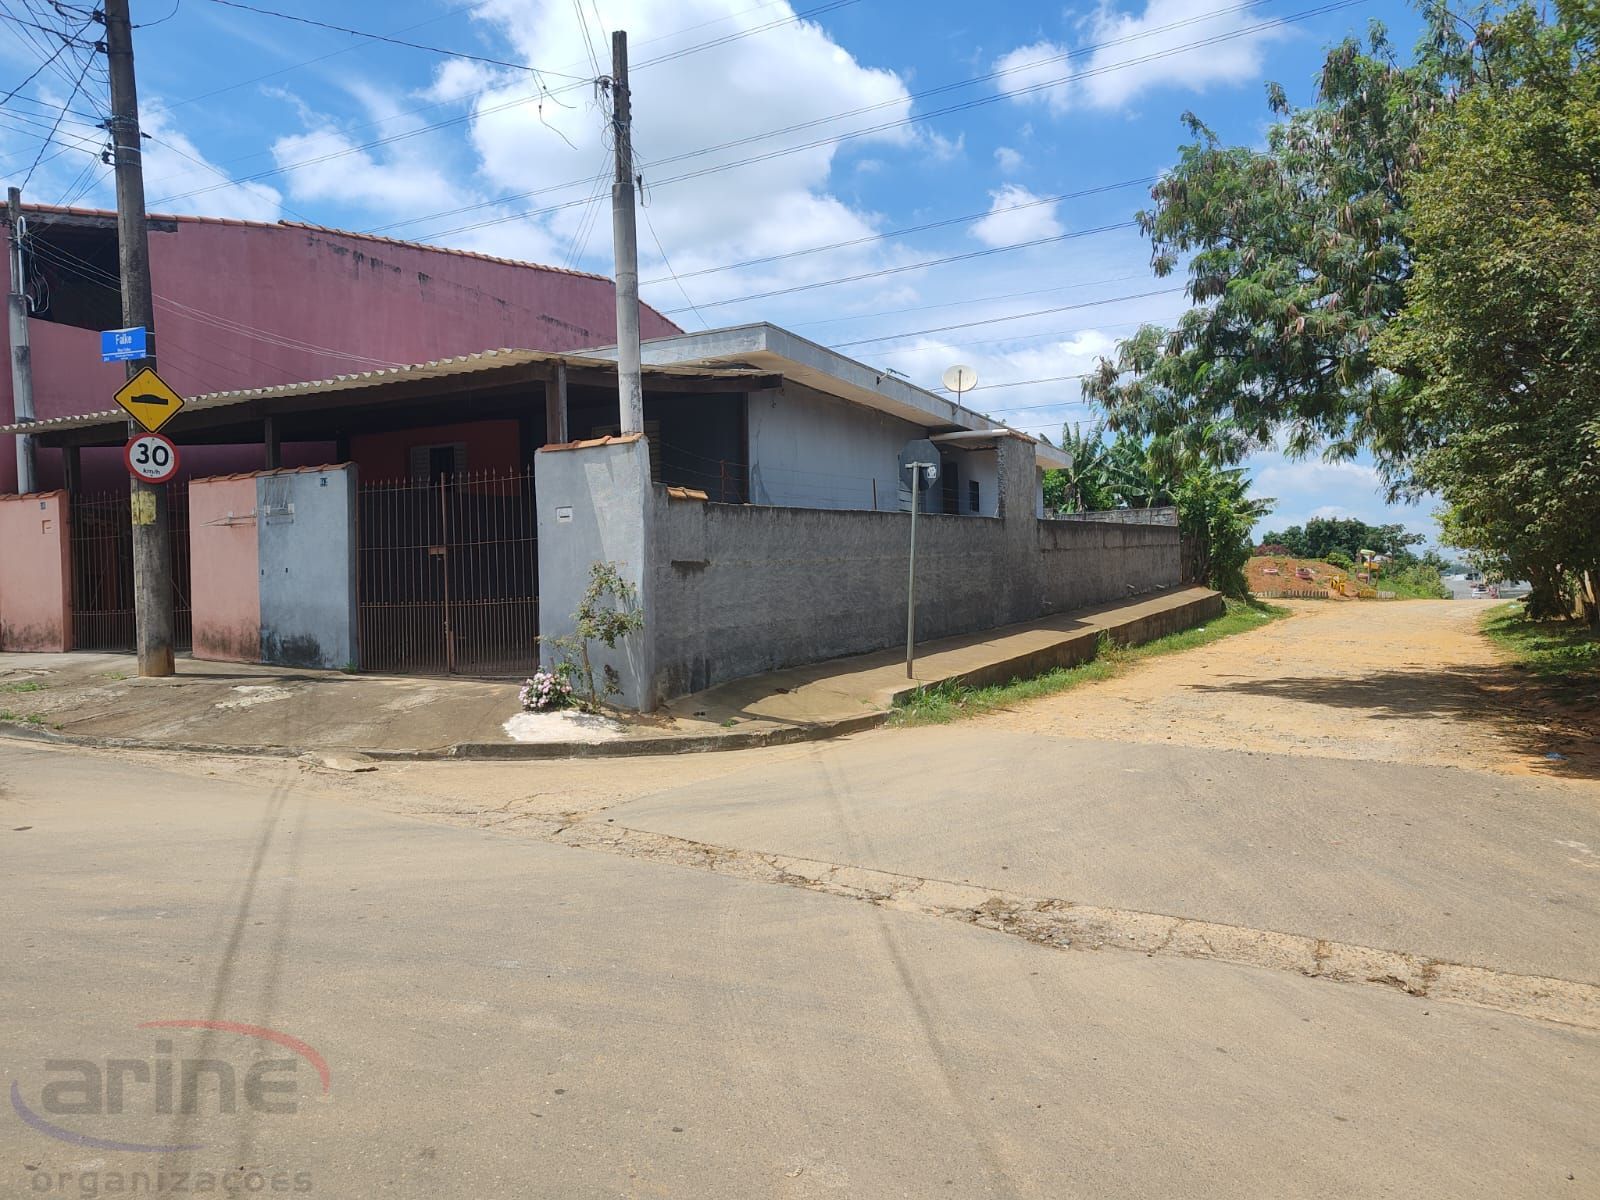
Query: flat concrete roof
{"type": "Point", "coordinates": [770, 348]}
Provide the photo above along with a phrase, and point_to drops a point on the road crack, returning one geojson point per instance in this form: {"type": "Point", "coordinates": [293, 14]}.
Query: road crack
{"type": "Point", "coordinates": [1063, 924]}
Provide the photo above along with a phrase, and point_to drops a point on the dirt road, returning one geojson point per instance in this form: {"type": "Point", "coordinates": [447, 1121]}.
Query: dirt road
{"type": "Point", "coordinates": [1409, 681]}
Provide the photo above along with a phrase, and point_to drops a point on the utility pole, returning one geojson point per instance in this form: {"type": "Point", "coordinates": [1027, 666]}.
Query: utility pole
{"type": "Point", "coordinates": [625, 242]}
{"type": "Point", "coordinates": [152, 552]}
{"type": "Point", "coordinates": [916, 469]}
{"type": "Point", "coordinates": [21, 361]}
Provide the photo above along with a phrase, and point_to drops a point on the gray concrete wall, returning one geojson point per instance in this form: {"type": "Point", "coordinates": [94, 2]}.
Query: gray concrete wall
{"type": "Point", "coordinates": [306, 537]}
{"type": "Point", "coordinates": [743, 589]}
{"type": "Point", "coordinates": [1083, 563]}
{"type": "Point", "coordinates": [596, 504]}
{"type": "Point", "coordinates": [731, 590]}
{"type": "Point", "coordinates": [812, 450]}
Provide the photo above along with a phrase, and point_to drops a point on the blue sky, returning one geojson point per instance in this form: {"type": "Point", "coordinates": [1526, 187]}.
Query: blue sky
{"type": "Point", "coordinates": [956, 111]}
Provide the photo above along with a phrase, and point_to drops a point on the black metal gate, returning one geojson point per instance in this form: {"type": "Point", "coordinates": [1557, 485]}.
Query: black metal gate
{"type": "Point", "coordinates": [101, 539]}
{"type": "Point", "coordinates": [449, 574]}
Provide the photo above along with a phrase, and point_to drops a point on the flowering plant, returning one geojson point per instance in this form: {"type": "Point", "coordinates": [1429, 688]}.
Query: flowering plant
{"type": "Point", "coordinates": [546, 692]}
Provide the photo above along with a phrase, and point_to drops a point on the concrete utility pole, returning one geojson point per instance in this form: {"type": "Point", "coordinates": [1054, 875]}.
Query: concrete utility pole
{"type": "Point", "coordinates": [152, 551]}
{"type": "Point", "coordinates": [625, 241]}
{"type": "Point", "coordinates": [21, 362]}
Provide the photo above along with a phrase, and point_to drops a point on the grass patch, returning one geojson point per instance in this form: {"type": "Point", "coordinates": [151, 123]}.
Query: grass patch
{"type": "Point", "coordinates": [1559, 652]}
{"type": "Point", "coordinates": [1413, 583]}
{"type": "Point", "coordinates": [947, 702]}
{"type": "Point", "coordinates": [21, 718]}
{"type": "Point", "coordinates": [26, 685]}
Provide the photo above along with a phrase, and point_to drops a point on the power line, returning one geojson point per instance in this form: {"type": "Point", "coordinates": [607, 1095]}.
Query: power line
{"type": "Point", "coordinates": [963, 303]}
{"type": "Point", "coordinates": [552, 93]}
{"type": "Point", "coordinates": [51, 135]}
{"type": "Point", "coordinates": [394, 41]}
{"type": "Point", "coordinates": [894, 233]}
{"type": "Point", "coordinates": [87, 271]}
{"type": "Point", "coordinates": [895, 101]}
{"type": "Point", "coordinates": [1038, 312]}
{"type": "Point", "coordinates": [47, 62]}
{"type": "Point", "coordinates": [916, 266]}
{"type": "Point", "coordinates": [161, 108]}
{"type": "Point", "coordinates": [644, 207]}
{"type": "Point", "coordinates": [1011, 337]}
{"type": "Point", "coordinates": [867, 130]}
{"type": "Point", "coordinates": [768, 134]}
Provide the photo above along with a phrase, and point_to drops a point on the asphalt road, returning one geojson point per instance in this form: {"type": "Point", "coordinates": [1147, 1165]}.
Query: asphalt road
{"type": "Point", "coordinates": [503, 1014]}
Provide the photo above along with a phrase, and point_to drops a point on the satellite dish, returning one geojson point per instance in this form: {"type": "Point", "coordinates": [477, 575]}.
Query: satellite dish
{"type": "Point", "coordinates": [960, 379]}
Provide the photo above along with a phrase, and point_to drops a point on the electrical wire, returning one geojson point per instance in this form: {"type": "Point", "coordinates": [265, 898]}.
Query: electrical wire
{"type": "Point", "coordinates": [66, 260]}
{"type": "Point", "coordinates": [1038, 312]}
{"type": "Point", "coordinates": [51, 135]}
{"type": "Point", "coordinates": [894, 233]}
{"type": "Point", "coordinates": [896, 101]}
{"type": "Point", "coordinates": [43, 65]}
{"type": "Point", "coordinates": [537, 72]}
{"type": "Point", "coordinates": [882, 272]}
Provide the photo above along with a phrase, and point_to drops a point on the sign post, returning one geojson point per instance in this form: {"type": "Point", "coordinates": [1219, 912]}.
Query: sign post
{"type": "Point", "coordinates": [918, 456]}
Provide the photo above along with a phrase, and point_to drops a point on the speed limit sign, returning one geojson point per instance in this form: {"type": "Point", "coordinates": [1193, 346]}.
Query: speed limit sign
{"type": "Point", "coordinates": [151, 457]}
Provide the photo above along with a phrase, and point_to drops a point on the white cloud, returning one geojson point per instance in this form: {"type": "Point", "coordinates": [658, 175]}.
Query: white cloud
{"type": "Point", "coordinates": [1036, 74]}
{"type": "Point", "coordinates": [1138, 52]}
{"type": "Point", "coordinates": [1010, 160]}
{"type": "Point", "coordinates": [176, 164]}
{"type": "Point", "coordinates": [726, 94]}
{"type": "Point", "coordinates": [1017, 215]}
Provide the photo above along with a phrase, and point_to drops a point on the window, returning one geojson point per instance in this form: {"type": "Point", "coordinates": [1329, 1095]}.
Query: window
{"type": "Point", "coordinates": [445, 460]}
{"type": "Point", "coordinates": [972, 496]}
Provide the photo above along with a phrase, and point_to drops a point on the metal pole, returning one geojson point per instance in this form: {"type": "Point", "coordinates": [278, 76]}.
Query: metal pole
{"type": "Point", "coordinates": [21, 362]}
{"type": "Point", "coordinates": [911, 578]}
{"type": "Point", "coordinates": [152, 552]}
{"type": "Point", "coordinates": [625, 243]}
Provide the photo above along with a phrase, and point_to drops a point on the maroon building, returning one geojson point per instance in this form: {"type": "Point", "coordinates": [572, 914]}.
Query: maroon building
{"type": "Point", "coordinates": [242, 304]}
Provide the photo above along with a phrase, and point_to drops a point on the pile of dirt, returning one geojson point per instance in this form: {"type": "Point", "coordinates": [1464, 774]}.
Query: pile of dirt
{"type": "Point", "coordinates": [1271, 576]}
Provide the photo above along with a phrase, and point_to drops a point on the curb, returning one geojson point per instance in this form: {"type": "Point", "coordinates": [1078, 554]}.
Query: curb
{"type": "Point", "coordinates": [707, 743]}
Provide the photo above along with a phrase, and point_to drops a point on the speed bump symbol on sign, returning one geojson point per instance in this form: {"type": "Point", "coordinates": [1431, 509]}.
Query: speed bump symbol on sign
{"type": "Point", "coordinates": [148, 400]}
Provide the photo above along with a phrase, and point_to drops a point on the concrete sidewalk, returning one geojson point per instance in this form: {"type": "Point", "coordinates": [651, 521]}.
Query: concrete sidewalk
{"type": "Point", "coordinates": [208, 706]}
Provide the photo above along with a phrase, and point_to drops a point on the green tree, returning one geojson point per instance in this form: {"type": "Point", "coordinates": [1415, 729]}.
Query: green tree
{"type": "Point", "coordinates": [1497, 353]}
{"type": "Point", "coordinates": [1215, 516]}
{"type": "Point", "coordinates": [1081, 487]}
{"type": "Point", "coordinates": [1410, 266]}
{"type": "Point", "coordinates": [1321, 536]}
{"type": "Point", "coordinates": [1297, 258]}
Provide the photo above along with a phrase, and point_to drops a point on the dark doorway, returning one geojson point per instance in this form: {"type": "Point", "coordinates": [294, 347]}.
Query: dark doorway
{"type": "Point", "coordinates": [449, 572]}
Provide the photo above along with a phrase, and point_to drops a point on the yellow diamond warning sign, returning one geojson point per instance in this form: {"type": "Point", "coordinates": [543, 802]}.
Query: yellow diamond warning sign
{"type": "Point", "coordinates": [148, 400]}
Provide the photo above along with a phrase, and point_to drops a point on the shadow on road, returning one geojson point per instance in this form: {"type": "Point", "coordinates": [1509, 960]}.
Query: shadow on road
{"type": "Point", "coordinates": [1531, 719]}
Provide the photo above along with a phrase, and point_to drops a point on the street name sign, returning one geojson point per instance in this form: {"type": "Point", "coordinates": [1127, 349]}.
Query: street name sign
{"type": "Point", "coordinates": [148, 400]}
{"type": "Point", "coordinates": [122, 345]}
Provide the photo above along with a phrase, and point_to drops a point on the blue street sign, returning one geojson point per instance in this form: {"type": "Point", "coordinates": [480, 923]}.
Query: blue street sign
{"type": "Point", "coordinates": [120, 345]}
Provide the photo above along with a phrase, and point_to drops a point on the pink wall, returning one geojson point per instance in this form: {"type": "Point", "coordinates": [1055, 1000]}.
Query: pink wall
{"type": "Point", "coordinates": [240, 305]}
{"type": "Point", "coordinates": [35, 587]}
{"type": "Point", "coordinates": [491, 446]}
{"type": "Point", "coordinates": [226, 584]}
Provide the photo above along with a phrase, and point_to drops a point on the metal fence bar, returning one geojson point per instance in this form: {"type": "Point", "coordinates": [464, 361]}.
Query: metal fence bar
{"type": "Point", "coordinates": [448, 574]}
{"type": "Point", "coordinates": [101, 551]}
